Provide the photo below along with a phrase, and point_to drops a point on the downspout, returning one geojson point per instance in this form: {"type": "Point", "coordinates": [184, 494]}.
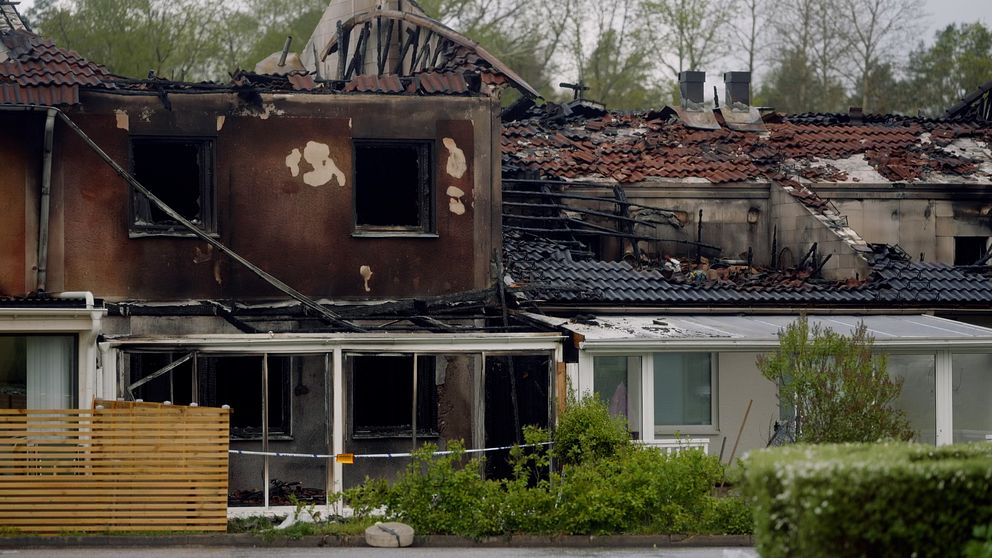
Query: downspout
{"type": "Point", "coordinates": [41, 274]}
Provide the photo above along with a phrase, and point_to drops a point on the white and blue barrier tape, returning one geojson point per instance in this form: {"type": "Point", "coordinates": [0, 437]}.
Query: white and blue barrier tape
{"type": "Point", "coordinates": [351, 457]}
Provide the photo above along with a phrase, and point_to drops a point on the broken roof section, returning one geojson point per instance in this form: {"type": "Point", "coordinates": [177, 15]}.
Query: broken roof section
{"type": "Point", "coordinates": [395, 37]}
{"type": "Point", "coordinates": [630, 148]}
{"type": "Point", "coordinates": [10, 20]}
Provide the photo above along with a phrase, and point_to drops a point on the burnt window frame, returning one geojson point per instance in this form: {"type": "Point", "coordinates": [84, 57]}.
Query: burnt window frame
{"type": "Point", "coordinates": [280, 378]}
{"type": "Point", "coordinates": [427, 412]}
{"type": "Point", "coordinates": [426, 149]}
{"type": "Point", "coordinates": [976, 240]}
{"type": "Point", "coordinates": [208, 188]}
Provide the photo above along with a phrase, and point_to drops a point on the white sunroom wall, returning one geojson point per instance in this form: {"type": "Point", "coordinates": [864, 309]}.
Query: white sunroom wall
{"type": "Point", "coordinates": [946, 397]}
{"type": "Point", "coordinates": [741, 381]}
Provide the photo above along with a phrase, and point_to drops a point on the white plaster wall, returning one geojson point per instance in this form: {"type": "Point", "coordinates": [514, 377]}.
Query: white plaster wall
{"type": "Point", "coordinates": [740, 381]}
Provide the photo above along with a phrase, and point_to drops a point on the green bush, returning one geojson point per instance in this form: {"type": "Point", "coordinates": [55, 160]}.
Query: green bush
{"type": "Point", "coordinates": [606, 485]}
{"type": "Point", "coordinates": [868, 500]}
{"type": "Point", "coordinates": [836, 385]}
{"type": "Point", "coordinates": [638, 489]}
{"type": "Point", "coordinates": [586, 432]}
{"type": "Point", "coordinates": [981, 546]}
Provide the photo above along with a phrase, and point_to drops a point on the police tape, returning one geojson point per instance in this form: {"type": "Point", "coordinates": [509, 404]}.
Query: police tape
{"type": "Point", "coordinates": [349, 458]}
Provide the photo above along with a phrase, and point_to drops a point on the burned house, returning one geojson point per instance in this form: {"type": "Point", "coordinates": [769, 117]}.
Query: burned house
{"type": "Point", "coordinates": [313, 246]}
{"type": "Point", "coordinates": [360, 251]}
{"type": "Point", "coordinates": [672, 246]}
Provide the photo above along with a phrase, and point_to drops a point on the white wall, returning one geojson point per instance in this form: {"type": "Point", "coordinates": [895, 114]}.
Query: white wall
{"type": "Point", "coordinates": [740, 381]}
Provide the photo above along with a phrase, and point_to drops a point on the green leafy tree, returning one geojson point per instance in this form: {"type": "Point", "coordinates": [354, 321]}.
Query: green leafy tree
{"type": "Point", "coordinates": [959, 61]}
{"type": "Point", "coordinates": [836, 385]}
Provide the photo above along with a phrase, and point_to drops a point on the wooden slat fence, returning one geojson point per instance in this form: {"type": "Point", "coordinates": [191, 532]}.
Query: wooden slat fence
{"type": "Point", "coordinates": [125, 467]}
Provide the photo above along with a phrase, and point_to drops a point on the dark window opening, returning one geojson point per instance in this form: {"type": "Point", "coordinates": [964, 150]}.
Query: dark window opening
{"type": "Point", "coordinates": [970, 249]}
{"type": "Point", "coordinates": [233, 381]}
{"type": "Point", "coordinates": [178, 172]}
{"type": "Point", "coordinates": [382, 395]}
{"type": "Point", "coordinates": [393, 186]}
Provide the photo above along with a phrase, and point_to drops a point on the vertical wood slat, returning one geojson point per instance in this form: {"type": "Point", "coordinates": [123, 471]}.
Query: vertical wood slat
{"type": "Point", "coordinates": [123, 467]}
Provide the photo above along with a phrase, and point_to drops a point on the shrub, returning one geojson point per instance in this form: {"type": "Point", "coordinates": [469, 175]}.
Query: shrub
{"type": "Point", "coordinates": [437, 494]}
{"type": "Point", "coordinates": [870, 500]}
{"type": "Point", "coordinates": [638, 489]}
{"type": "Point", "coordinates": [606, 485]}
{"type": "Point", "coordinates": [586, 432]}
{"type": "Point", "coordinates": [836, 385]}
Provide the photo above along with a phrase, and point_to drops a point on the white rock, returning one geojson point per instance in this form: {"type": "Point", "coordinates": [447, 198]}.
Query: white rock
{"type": "Point", "coordinates": [389, 535]}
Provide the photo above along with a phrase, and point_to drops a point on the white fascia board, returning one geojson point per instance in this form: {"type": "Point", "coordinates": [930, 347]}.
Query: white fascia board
{"type": "Point", "coordinates": [49, 320]}
{"type": "Point", "coordinates": [624, 346]}
{"type": "Point", "coordinates": [317, 343]}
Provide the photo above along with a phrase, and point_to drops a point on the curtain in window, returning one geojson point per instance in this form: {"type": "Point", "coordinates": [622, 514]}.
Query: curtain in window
{"type": "Point", "coordinates": [49, 372]}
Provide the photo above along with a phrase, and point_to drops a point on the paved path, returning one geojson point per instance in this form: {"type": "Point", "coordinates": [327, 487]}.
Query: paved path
{"type": "Point", "coordinates": [181, 552]}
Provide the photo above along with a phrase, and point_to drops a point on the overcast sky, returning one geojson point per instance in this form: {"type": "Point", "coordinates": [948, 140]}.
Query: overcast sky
{"type": "Point", "coordinates": [941, 12]}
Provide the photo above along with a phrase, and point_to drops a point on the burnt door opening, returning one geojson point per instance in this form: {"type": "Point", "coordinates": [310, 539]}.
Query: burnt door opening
{"type": "Point", "coordinates": [392, 186]}
{"type": "Point", "coordinates": [532, 375]}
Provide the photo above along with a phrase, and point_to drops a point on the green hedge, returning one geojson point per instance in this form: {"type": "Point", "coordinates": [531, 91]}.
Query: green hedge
{"type": "Point", "coordinates": [868, 500]}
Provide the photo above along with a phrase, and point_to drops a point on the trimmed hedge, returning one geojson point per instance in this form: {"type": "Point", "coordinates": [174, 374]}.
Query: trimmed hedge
{"type": "Point", "coordinates": [868, 500]}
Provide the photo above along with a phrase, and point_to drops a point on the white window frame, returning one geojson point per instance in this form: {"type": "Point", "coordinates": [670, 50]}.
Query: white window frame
{"type": "Point", "coordinates": [649, 431]}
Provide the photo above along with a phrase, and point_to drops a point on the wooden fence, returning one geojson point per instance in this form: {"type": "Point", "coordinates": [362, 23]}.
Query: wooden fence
{"type": "Point", "coordinates": [123, 467]}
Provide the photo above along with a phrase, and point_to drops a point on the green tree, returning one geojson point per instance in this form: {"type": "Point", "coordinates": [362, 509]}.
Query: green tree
{"type": "Point", "coordinates": [793, 86]}
{"type": "Point", "coordinates": [959, 61]}
{"type": "Point", "coordinates": [172, 38]}
{"type": "Point", "coordinates": [184, 40]}
{"type": "Point", "coordinates": [836, 385]}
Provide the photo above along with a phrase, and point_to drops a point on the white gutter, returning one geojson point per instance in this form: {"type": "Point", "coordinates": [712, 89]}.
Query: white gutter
{"type": "Point", "coordinates": [620, 346]}
{"type": "Point", "coordinates": [321, 343]}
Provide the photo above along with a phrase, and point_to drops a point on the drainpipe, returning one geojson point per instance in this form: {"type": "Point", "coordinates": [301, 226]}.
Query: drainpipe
{"type": "Point", "coordinates": [41, 275]}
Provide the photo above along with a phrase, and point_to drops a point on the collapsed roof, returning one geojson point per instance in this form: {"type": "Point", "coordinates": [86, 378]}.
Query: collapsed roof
{"type": "Point", "coordinates": [410, 54]}
{"type": "Point", "coordinates": [629, 148]}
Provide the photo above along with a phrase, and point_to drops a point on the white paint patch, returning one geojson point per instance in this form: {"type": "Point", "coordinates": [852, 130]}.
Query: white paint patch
{"type": "Point", "coordinates": [455, 204]}
{"type": "Point", "coordinates": [293, 162]}
{"type": "Point", "coordinates": [366, 273]}
{"type": "Point", "coordinates": [122, 119]}
{"type": "Point", "coordinates": [324, 168]}
{"type": "Point", "coordinates": [456, 166]}
{"type": "Point", "coordinates": [264, 114]}
{"type": "Point", "coordinates": [220, 122]}
{"type": "Point", "coordinates": [270, 109]}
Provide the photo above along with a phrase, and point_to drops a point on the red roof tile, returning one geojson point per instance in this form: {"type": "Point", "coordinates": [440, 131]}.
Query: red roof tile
{"type": "Point", "coordinates": [38, 72]}
{"type": "Point", "coordinates": [631, 147]}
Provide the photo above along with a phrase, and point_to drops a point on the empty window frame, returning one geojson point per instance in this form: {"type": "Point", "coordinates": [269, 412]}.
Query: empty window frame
{"type": "Point", "coordinates": [393, 186]}
{"type": "Point", "coordinates": [178, 171]}
{"type": "Point", "coordinates": [235, 381]}
{"type": "Point", "coordinates": [382, 396]}
{"type": "Point", "coordinates": [37, 371]}
{"type": "Point", "coordinates": [970, 249]}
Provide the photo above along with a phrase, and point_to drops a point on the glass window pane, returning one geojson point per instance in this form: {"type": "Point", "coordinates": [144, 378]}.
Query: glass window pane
{"type": "Point", "coordinates": [616, 381]}
{"type": "Point", "coordinates": [971, 391]}
{"type": "Point", "coordinates": [918, 398]}
{"type": "Point", "coordinates": [683, 389]}
{"type": "Point", "coordinates": [36, 372]}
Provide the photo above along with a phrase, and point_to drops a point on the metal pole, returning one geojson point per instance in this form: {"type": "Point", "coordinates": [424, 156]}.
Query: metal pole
{"type": "Point", "coordinates": [41, 276]}
{"type": "Point", "coordinates": [265, 426]}
{"type": "Point", "coordinates": [413, 418]}
{"type": "Point", "coordinates": [328, 436]}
